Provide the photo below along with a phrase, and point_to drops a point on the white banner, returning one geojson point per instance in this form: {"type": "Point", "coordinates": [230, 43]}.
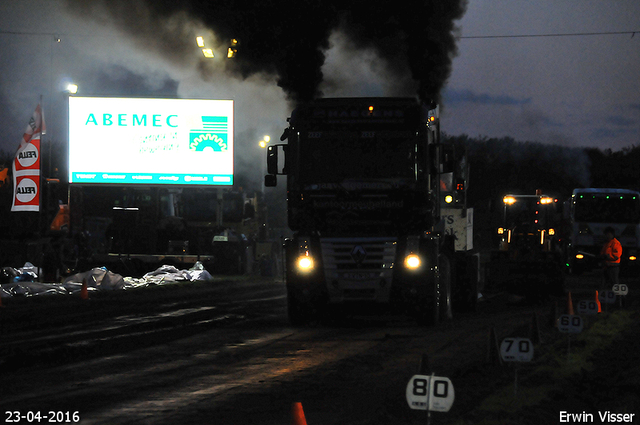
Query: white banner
{"type": "Point", "coordinates": [26, 166]}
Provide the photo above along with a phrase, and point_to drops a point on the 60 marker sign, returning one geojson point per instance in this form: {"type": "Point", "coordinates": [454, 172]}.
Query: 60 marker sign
{"type": "Point", "coordinates": [569, 323]}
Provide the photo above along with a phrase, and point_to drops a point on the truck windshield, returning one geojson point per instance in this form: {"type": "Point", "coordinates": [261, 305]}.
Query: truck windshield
{"type": "Point", "coordinates": [340, 155]}
{"type": "Point", "coordinates": [615, 209]}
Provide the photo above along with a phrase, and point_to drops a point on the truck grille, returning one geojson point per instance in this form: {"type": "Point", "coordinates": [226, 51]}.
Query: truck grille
{"type": "Point", "coordinates": [365, 254]}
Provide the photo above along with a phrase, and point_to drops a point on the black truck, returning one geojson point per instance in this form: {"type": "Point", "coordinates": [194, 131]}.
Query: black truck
{"type": "Point", "coordinates": [367, 180]}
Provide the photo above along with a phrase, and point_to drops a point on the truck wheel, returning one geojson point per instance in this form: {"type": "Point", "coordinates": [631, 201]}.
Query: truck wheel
{"type": "Point", "coordinates": [428, 314]}
{"type": "Point", "coordinates": [465, 283]}
{"type": "Point", "coordinates": [300, 313]}
{"type": "Point", "coordinates": [437, 307]}
{"type": "Point", "coordinates": [446, 312]}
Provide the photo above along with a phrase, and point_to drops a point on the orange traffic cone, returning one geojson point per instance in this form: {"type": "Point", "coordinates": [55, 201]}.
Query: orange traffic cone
{"type": "Point", "coordinates": [84, 293]}
{"type": "Point", "coordinates": [598, 302]}
{"type": "Point", "coordinates": [570, 305]}
{"type": "Point", "coordinates": [297, 414]}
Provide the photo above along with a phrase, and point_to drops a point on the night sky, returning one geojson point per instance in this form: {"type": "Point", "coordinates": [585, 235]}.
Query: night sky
{"type": "Point", "coordinates": [572, 90]}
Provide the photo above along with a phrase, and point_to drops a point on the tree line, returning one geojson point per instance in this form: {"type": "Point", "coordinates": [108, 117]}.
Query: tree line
{"type": "Point", "coordinates": [499, 166]}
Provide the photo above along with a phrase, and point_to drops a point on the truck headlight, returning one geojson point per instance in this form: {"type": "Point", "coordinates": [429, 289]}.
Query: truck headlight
{"type": "Point", "coordinates": [305, 263]}
{"type": "Point", "coordinates": [412, 261]}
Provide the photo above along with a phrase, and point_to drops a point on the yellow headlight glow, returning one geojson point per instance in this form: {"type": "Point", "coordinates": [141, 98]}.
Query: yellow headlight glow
{"type": "Point", "coordinates": [305, 263]}
{"type": "Point", "coordinates": [412, 261]}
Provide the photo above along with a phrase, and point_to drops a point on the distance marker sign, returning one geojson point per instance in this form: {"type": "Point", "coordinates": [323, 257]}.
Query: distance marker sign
{"type": "Point", "coordinates": [569, 323]}
{"type": "Point", "coordinates": [588, 307]}
{"type": "Point", "coordinates": [433, 393]}
{"type": "Point", "coordinates": [516, 350]}
{"type": "Point", "coordinates": [620, 289]}
{"type": "Point", "coordinates": [607, 297]}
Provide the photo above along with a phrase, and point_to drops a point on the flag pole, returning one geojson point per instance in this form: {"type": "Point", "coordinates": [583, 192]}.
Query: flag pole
{"type": "Point", "coordinates": [42, 211]}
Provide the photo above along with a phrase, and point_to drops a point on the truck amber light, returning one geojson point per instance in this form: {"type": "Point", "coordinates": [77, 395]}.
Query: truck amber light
{"type": "Point", "coordinates": [579, 256]}
{"type": "Point", "coordinates": [412, 261]}
{"type": "Point", "coordinates": [501, 230]}
{"type": "Point", "coordinates": [509, 200]}
{"type": "Point", "coordinates": [305, 263]}
{"type": "Point", "coordinates": [552, 232]}
{"type": "Point", "coordinates": [633, 258]}
{"type": "Point", "coordinates": [448, 199]}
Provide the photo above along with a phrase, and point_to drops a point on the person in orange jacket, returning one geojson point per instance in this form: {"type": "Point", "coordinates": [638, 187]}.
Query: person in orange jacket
{"type": "Point", "coordinates": [611, 253]}
{"type": "Point", "coordinates": [4, 178]}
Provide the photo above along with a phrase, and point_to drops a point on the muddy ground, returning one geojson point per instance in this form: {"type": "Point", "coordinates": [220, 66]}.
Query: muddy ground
{"type": "Point", "coordinates": [223, 353]}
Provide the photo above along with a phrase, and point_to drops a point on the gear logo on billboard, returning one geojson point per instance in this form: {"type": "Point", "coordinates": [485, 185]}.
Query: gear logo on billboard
{"type": "Point", "coordinates": [26, 190]}
{"type": "Point", "coordinates": [211, 137]}
{"type": "Point", "coordinates": [28, 156]}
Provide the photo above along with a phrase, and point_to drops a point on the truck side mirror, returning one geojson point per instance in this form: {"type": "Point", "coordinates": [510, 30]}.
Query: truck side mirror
{"type": "Point", "coordinates": [273, 163]}
{"type": "Point", "coordinates": [272, 160]}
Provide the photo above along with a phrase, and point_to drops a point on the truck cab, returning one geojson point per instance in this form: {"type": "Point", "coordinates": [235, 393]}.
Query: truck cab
{"type": "Point", "coordinates": [363, 183]}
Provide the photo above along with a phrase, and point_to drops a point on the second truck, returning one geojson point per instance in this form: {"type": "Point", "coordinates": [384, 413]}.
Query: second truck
{"type": "Point", "coordinates": [367, 179]}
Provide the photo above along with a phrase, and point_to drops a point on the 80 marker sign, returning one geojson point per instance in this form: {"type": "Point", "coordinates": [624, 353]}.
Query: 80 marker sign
{"type": "Point", "coordinates": [434, 393]}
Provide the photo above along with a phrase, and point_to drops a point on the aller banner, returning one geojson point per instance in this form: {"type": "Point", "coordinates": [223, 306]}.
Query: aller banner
{"type": "Point", "coordinates": [26, 166]}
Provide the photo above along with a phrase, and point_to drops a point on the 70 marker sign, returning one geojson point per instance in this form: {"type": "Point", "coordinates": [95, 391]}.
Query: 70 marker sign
{"type": "Point", "coordinates": [516, 350]}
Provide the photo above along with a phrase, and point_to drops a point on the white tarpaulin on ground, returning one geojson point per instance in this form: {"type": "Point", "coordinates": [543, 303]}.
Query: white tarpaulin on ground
{"type": "Point", "coordinates": [98, 278]}
{"type": "Point", "coordinates": [101, 279]}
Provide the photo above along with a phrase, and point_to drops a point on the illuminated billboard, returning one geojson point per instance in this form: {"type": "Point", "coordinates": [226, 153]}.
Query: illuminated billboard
{"type": "Point", "coordinates": [150, 141]}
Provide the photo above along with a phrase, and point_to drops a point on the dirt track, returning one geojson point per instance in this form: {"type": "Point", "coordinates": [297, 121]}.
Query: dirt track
{"type": "Point", "coordinates": [223, 353]}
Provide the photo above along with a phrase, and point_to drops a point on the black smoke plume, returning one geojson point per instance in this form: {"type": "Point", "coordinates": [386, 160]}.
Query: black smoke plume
{"type": "Point", "coordinates": [288, 38]}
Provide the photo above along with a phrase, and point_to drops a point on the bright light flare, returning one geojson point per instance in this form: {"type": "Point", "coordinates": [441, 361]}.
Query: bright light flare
{"type": "Point", "coordinates": [546, 201]}
{"type": "Point", "coordinates": [448, 199]}
{"type": "Point", "coordinates": [579, 256]}
{"type": "Point", "coordinates": [509, 200]}
{"type": "Point", "coordinates": [305, 263]}
{"type": "Point", "coordinates": [200, 41]}
{"type": "Point", "coordinates": [72, 88]}
{"type": "Point", "coordinates": [412, 261]}
{"type": "Point", "coordinates": [208, 53]}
